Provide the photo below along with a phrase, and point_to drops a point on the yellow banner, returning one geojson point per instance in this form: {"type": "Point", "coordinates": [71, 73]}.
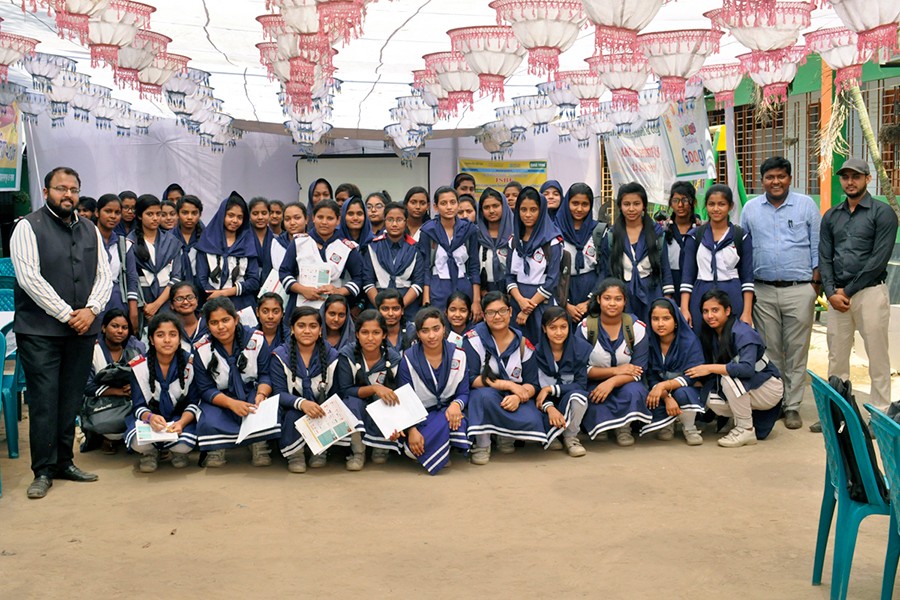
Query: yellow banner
{"type": "Point", "coordinates": [10, 148]}
{"type": "Point", "coordinates": [497, 173]}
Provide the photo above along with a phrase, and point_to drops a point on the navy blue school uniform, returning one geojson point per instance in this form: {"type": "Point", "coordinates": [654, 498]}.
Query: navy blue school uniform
{"type": "Point", "coordinates": [125, 281]}
{"type": "Point", "coordinates": [161, 270]}
{"type": "Point", "coordinates": [123, 229]}
{"type": "Point", "coordinates": [494, 250]}
{"type": "Point", "coordinates": [405, 337]}
{"type": "Point", "coordinates": [637, 273]}
{"type": "Point", "coordinates": [365, 236]}
{"type": "Point", "coordinates": [684, 353]}
{"type": "Point", "coordinates": [437, 389]}
{"type": "Point", "coordinates": [567, 377]}
{"type": "Point", "coordinates": [282, 336]}
{"type": "Point", "coordinates": [348, 331]}
{"type": "Point", "coordinates": [298, 382]}
{"type": "Point", "coordinates": [353, 373]}
{"type": "Point", "coordinates": [102, 358]}
{"type": "Point", "coordinates": [395, 265]}
{"type": "Point", "coordinates": [627, 403]}
{"type": "Point", "coordinates": [339, 256]}
{"type": "Point", "coordinates": [172, 395]}
{"type": "Point", "coordinates": [533, 266]}
{"type": "Point", "coordinates": [518, 364]}
{"type": "Point", "coordinates": [188, 256]}
{"type": "Point", "coordinates": [264, 251]}
{"type": "Point", "coordinates": [675, 242]}
{"type": "Point", "coordinates": [579, 243]}
{"type": "Point", "coordinates": [309, 194]}
{"type": "Point", "coordinates": [451, 264]}
{"type": "Point", "coordinates": [552, 183]}
{"type": "Point", "coordinates": [220, 266]}
{"type": "Point", "coordinates": [710, 265]}
{"type": "Point", "coordinates": [218, 427]}
{"type": "Point", "coordinates": [189, 339]}
{"type": "Point", "coordinates": [749, 368]}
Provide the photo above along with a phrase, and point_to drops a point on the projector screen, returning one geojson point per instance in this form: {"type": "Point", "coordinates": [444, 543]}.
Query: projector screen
{"type": "Point", "coordinates": [370, 172]}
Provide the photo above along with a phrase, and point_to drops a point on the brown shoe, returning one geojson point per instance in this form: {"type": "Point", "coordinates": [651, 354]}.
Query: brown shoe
{"type": "Point", "coordinates": [108, 447]}
{"type": "Point", "coordinates": [792, 419]}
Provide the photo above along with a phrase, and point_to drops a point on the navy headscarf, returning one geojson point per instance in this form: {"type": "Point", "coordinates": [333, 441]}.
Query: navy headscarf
{"type": "Point", "coordinates": [348, 331]}
{"type": "Point", "coordinates": [463, 229]}
{"type": "Point", "coordinates": [365, 234]}
{"type": "Point", "coordinates": [503, 233]}
{"type": "Point", "coordinates": [544, 230]}
{"type": "Point", "coordinates": [684, 353]}
{"type": "Point", "coordinates": [552, 183]}
{"type": "Point", "coordinates": [312, 188]}
{"type": "Point", "coordinates": [172, 186]}
{"type": "Point", "coordinates": [577, 237]}
{"type": "Point", "coordinates": [213, 239]}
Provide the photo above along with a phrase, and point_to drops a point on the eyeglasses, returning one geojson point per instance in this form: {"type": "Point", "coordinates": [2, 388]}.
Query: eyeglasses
{"type": "Point", "coordinates": [394, 220]}
{"type": "Point", "coordinates": [180, 299]}
{"type": "Point", "coordinates": [127, 209]}
{"type": "Point", "coordinates": [63, 189]}
{"type": "Point", "coordinates": [679, 200]}
{"type": "Point", "coordinates": [500, 312]}
{"type": "Point", "coordinates": [375, 206]}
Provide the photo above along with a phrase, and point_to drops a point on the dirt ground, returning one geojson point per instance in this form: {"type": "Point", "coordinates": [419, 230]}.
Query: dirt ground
{"type": "Point", "coordinates": [660, 519]}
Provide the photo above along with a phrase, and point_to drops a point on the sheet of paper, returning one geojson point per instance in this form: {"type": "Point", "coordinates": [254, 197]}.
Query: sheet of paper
{"type": "Point", "coordinates": [314, 276]}
{"type": "Point", "coordinates": [248, 317]}
{"type": "Point", "coordinates": [273, 284]}
{"type": "Point", "coordinates": [265, 417]}
{"type": "Point", "coordinates": [323, 432]}
{"type": "Point", "coordinates": [406, 413]}
{"type": "Point", "coordinates": [146, 435]}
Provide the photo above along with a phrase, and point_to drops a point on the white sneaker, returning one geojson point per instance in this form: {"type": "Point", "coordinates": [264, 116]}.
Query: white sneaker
{"type": "Point", "coordinates": [380, 455]}
{"type": "Point", "coordinates": [573, 447]}
{"type": "Point", "coordinates": [481, 455]}
{"type": "Point", "coordinates": [738, 437]}
{"type": "Point", "coordinates": [297, 462]}
{"type": "Point", "coordinates": [505, 445]}
{"type": "Point", "coordinates": [259, 453]}
{"type": "Point", "coordinates": [667, 433]}
{"type": "Point", "coordinates": [317, 461]}
{"type": "Point", "coordinates": [693, 437]}
{"type": "Point", "coordinates": [215, 459]}
{"type": "Point", "coordinates": [180, 461]}
{"type": "Point", "coordinates": [623, 436]}
{"type": "Point", "coordinates": [149, 462]}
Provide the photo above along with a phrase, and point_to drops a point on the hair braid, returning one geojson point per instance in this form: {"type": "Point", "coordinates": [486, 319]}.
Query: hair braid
{"type": "Point", "coordinates": [292, 360]}
{"type": "Point", "coordinates": [389, 379]}
{"type": "Point", "coordinates": [239, 348]}
{"type": "Point", "coordinates": [487, 374]}
{"type": "Point", "coordinates": [181, 361]}
{"type": "Point", "coordinates": [140, 244]}
{"type": "Point", "coordinates": [360, 379]}
{"type": "Point", "coordinates": [323, 367]}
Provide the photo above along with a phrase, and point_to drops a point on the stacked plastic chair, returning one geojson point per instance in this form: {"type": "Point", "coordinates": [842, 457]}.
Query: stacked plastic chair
{"type": "Point", "coordinates": [887, 432]}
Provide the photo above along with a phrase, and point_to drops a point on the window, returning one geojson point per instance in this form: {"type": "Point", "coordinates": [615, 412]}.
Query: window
{"type": "Point", "coordinates": [756, 141]}
{"type": "Point", "coordinates": [813, 116]}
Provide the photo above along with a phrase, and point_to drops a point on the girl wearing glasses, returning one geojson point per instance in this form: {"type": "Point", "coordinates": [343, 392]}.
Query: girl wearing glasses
{"type": "Point", "coordinates": [376, 206]}
{"type": "Point", "coordinates": [436, 371]}
{"type": "Point", "coordinates": [503, 377]}
{"type": "Point", "coordinates": [185, 302]}
{"type": "Point", "coordinates": [616, 364]}
{"type": "Point", "coordinates": [532, 267]}
{"type": "Point", "coordinates": [394, 262]}
{"type": "Point", "coordinates": [227, 263]}
{"type": "Point", "coordinates": [682, 199]}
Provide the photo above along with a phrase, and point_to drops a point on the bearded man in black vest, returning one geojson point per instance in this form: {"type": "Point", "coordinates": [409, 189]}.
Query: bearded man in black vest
{"type": "Point", "coordinates": [62, 283]}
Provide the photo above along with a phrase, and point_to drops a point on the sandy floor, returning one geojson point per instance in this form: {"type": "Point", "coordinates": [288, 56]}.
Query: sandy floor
{"type": "Point", "coordinates": [656, 520]}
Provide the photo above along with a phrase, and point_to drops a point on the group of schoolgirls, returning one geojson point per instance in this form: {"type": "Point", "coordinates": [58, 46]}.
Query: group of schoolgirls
{"type": "Point", "coordinates": [477, 381]}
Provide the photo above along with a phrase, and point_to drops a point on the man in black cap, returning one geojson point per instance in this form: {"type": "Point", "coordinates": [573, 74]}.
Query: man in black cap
{"type": "Point", "coordinates": [856, 240]}
{"type": "Point", "coordinates": [62, 283]}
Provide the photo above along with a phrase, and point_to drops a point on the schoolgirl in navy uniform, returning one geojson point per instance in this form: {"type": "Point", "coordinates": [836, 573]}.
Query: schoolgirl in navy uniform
{"type": "Point", "coordinates": [161, 393]}
{"type": "Point", "coordinates": [450, 247]}
{"type": "Point", "coordinates": [459, 317]}
{"type": "Point", "coordinates": [394, 262]}
{"type": "Point", "coordinates": [632, 252]}
{"type": "Point", "coordinates": [532, 267]}
{"type": "Point", "coordinates": [576, 223]}
{"type": "Point", "coordinates": [503, 377]}
{"type": "Point", "coordinates": [156, 256]}
{"type": "Point", "coordinates": [187, 234]}
{"type": "Point", "coordinates": [495, 228]}
{"type": "Point", "coordinates": [718, 261]}
{"type": "Point", "coordinates": [355, 225]}
{"type": "Point", "coordinates": [227, 263]}
{"type": "Point", "coordinates": [115, 344]}
{"type": "Point", "coordinates": [319, 191]}
{"type": "Point", "coordinates": [682, 199]}
{"type": "Point", "coordinates": [125, 280]}
{"type": "Point", "coordinates": [401, 333]}
{"type": "Point", "coordinates": [745, 385]}
{"type": "Point", "coordinates": [185, 298]}
{"type": "Point", "coordinates": [270, 314]}
{"type": "Point", "coordinates": [322, 247]}
{"type": "Point", "coordinates": [416, 203]}
{"type": "Point", "coordinates": [436, 371]}
{"type": "Point", "coordinates": [674, 348]}
{"type": "Point", "coordinates": [231, 366]}
{"type": "Point", "coordinates": [337, 323]}
{"type": "Point", "coordinates": [367, 371]}
{"type": "Point", "coordinates": [553, 192]}
{"type": "Point", "coordinates": [269, 250]}
{"type": "Point", "coordinates": [302, 372]}
{"type": "Point", "coordinates": [562, 380]}
{"type": "Point", "coordinates": [618, 395]}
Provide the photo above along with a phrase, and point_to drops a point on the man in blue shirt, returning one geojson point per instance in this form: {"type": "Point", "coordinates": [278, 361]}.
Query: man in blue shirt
{"type": "Point", "coordinates": [785, 230]}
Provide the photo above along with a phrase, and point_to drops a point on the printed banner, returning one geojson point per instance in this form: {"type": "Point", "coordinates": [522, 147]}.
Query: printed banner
{"type": "Point", "coordinates": [686, 130]}
{"type": "Point", "coordinates": [497, 173]}
{"type": "Point", "coordinates": [640, 158]}
{"type": "Point", "coordinates": [10, 149]}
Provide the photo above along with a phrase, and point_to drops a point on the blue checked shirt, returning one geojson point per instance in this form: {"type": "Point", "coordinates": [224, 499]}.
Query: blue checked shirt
{"type": "Point", "coordinates": [785, 239]}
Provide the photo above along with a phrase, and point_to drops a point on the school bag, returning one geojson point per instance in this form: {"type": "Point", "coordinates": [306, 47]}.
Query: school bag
{"type": "Point", "coordinates": [593, 330]}
{"type": "Point", "coordinates": [106, 414]}
{"type": "Point", "coordinates": [738, 237]}
{"type": "Point", "coordinates": [565, 274]}
{"type": "Point", "coordinates": [854, 479]}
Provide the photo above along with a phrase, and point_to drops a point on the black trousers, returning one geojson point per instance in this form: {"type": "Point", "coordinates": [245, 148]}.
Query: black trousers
{"type": "Point", "coordinates": [56, 369]}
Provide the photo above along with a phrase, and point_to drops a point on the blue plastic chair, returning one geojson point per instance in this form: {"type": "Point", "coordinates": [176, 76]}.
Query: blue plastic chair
{"type": "Point", "coordinates": [8, 399]}
{"type": "Point", "coordinates": [887, 431]}
{"type": "Point", "coordinates": [6, 267]}
{"type": "Point", "coordinates": [7, 300]}
{"type": "Point", "coordinates": [850, 513]}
